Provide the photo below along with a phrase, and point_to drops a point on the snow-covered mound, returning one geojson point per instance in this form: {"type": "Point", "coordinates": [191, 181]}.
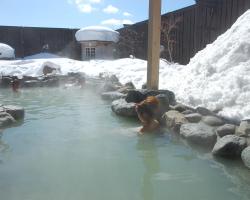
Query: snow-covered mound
{"type": "Point", "coordinates": [6, 51]}
{"type": "Point", "coordinates": [218, 77]}
{"type": "Point", "coordinates": [97, 33]}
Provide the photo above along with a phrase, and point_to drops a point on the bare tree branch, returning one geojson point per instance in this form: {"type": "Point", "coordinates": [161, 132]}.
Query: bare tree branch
{"type": "Point", "coordinates": [167, 27]}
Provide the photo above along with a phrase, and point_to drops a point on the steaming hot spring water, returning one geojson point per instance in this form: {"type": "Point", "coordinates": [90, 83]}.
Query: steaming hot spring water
{"type": "Point", "coordinates": [71, 146]}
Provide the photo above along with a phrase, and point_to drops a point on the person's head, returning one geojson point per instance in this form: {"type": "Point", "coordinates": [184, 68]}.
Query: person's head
{"type": "Point", "coordinates": [152, 102]}
{"type": "Point", "coordinates": [147, 108]}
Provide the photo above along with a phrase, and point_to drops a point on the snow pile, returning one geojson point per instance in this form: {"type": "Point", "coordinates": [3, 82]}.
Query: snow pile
{"type": "Point", "coordinates": [218, 77]}
{"type": "Point", "coordinates": [6, 51]}
{"type": "Point", "coordinates": [97, 33]}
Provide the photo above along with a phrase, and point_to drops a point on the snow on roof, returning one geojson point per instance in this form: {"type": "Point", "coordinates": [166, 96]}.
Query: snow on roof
{"type": "Point", "coordinates": [6, 51]}
{"type": "Point", "coordinates": [97, 33]}
{"type": "Point", "coordinates": [41, 56]}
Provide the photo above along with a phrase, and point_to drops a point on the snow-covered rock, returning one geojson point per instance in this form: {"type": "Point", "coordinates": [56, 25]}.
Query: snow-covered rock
{"type": "Point", "coordinates": [97, 33]}
{"type": "Point", "coordinates": [122, 108]}
{"type": "Point", "coordinates": [16, 112]}
{"type": "Point", "coordinates": [6, 119]}
{"type": "Point", "coordinates": [6, 51]}
{"type": "Point", "coordinates": [111, 96]}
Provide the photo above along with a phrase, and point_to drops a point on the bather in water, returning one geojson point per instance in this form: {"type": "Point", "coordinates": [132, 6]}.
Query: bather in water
{"type": "Point", "coordinates": [146, 111]}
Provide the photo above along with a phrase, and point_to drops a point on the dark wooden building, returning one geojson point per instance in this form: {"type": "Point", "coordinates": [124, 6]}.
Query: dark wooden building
{"type": "Point", "coordinates": [198, 25]}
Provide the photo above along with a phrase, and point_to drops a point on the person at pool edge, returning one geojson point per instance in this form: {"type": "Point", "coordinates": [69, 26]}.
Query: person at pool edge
{"type": "Point", "coordinates": [146, 111]}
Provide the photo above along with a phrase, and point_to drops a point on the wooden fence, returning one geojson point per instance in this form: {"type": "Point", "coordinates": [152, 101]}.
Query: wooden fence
{"type": "Point", "coordinates": [29, 40]}
{"type": "Point", "coordinates": [200, 25]}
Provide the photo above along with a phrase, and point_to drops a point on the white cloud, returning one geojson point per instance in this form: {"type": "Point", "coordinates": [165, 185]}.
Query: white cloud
{"type": "Point", "coordinates": [127, 14]}
{"type": "Point", "coordinates": [85, 6]}
{"type": "Point", "coordinates": [112, 22]}
{"type": "Point", "coordinates": [110, 9]}
{"type": "Point", "coordinates": [95, 1]}
{"type": "Point", "coordinates": [127, 21]}
{"type": "Point", "coordinates": [116, 22]}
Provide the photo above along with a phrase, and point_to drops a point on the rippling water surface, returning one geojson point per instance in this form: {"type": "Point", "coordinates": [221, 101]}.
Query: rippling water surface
{"type": "Point", "coordinates": [72, 147]}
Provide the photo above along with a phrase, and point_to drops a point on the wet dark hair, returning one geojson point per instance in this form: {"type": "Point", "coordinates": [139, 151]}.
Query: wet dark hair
{"type": "Point", "coordinates": [145, 109]}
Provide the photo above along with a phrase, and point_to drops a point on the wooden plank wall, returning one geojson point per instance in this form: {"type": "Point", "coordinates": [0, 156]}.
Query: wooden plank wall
{"type": "Point", "coordinates": [200, 25]}
{"type": "Point", "coordinates": [29, 40]}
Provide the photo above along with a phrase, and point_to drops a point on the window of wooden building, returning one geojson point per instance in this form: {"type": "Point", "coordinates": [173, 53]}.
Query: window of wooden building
{"type": "Point", "coordinates": [90, 53]}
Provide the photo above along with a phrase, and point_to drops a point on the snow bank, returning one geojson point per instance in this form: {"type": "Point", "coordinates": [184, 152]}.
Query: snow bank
{"type": "Point", "coordinates": [218, 77]}
{"type": "Point", "coordinates": [97, 33]}
{"type": "Point", "coordinates": [6, 51]}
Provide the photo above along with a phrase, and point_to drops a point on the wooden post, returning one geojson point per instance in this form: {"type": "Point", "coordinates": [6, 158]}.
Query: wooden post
{"type": "Point", "coordinates": [154, 36]}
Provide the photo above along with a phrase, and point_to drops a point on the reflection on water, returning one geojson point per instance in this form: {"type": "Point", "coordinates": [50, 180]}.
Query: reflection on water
{"type": "Point", "coordinates": [71, 146]}
{"type": "Point", "coordinates": [3, 146]}
{"type": "Point", "coordinates": [146, 145]}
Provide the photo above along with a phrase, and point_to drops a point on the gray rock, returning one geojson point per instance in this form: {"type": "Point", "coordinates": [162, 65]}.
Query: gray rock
{"type": "Point", "coordinates": [129, 85]}
{"type": "Point", "coordinates": [50, 82]}
{"type": "Point", "coordinates": [164, 102]}
{"type": "Point", "coordinates": [198, 133]}
{"type": "Point", "coordinates": [227, 129]}
{"type": "Point", "coordinates": [32, 83]}
{"type": "Point", "coordinates": [122, 108]}
{"type": "Point", "coordinates": [174, 119]}
{"type": "Point", "coordinates": [229, 146]}
{"type": "Point", "coordinates": [1, 108]}
{"type": "Point", "coordinates": [245, 156]}
{"type": "Point", "coordinates": [204, 111]}
{"type": "Point", "coordinates": [180, 107]}
{"type": "Point", "coordinates": [244, 128]}
{"type": "Point", "coordinates": [187, 112]}
{"type": "Point", "coordinates": [136, 96]}
{"type": "Point", "coordinates": [6, 119]}
{"type": "Point", "coordinates": [48, 70]}
{"type": "Point", "coordinates": [108, 87]}
{"type": "Point", "coordinates": [6, 81]}
{"type": "Point", "coordinates": [213, 121]}
{"type": "Point", "coordinates": [113, 78]}
{"type": "Point", "coordinates": [144, 86]}
{"type": "Point", "coordinates": [126, 88]}
{"type": "Point", "coordinates": [16, 112]}
{"type": "Point", "coordinates": [111, 96]}
{"type": "Point", "coordinates": [194, 117]}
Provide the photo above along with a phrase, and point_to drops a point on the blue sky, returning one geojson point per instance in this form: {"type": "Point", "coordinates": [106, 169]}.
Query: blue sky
{"type": "Point", "coordinates": [79, 13]}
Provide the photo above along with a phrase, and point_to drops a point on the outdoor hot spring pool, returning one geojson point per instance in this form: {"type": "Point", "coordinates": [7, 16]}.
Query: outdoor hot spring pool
{"type": "Point", "coordinates": [71, 146]}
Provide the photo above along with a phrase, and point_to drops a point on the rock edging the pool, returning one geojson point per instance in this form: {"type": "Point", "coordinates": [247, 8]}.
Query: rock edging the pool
{"type": "Point", "coordinates": [10, 115]}
{"type": "Point", "coordinates": [200, 126]}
